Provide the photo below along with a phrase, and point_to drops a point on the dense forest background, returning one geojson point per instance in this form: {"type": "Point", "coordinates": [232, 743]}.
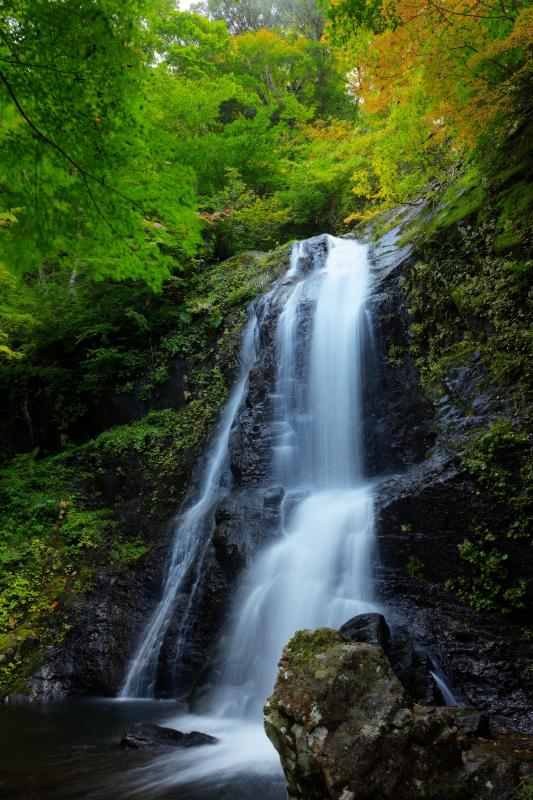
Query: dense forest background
{"type": "Point", "coordinates": [148, 157]}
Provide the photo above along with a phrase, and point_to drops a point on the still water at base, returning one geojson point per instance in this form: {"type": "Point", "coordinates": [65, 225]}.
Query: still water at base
{"type": "Point", "coordinates": [70, 751]}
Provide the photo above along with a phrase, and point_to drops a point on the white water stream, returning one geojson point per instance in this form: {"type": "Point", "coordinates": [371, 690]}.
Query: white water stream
{"type": "Point", "coordinates": [190, 537]}
{"type": "Point", "coordinates": [318, 571]}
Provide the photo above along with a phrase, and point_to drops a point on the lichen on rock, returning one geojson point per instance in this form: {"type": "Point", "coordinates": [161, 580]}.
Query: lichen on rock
{"type": "Point", "coordinates": [344, 727]}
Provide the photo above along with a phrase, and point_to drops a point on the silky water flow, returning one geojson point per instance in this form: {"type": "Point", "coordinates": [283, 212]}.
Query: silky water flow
{"type": "Point", "coordinates": [318, 571]}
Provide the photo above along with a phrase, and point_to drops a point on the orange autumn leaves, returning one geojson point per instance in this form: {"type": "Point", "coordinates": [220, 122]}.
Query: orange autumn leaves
{"type": "Point", "coordinates": [469, 55]}
{"type": "Point", "coordinates": [438, 82]}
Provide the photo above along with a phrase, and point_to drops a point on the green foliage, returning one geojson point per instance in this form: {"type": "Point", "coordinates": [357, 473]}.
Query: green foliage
{"type": "Point", "coordinates": [85, 170]}
{"type": "Point", "coordinates": [251, 222]}
{"type": "Point", "coordinates": [136, 118]}
{"type": "Point", "coordinates": [467, 294]}
{"type": "Point", "coordinates": [119, 125]}
{"type": "Point", "coordinates": [46, 527]}
{"type": "Point", "coordinates": [54, 535]}
{"type": "Point", "coordinates": [300, 15]}
{"type": "Point", "coordinates": [487, 571]}
{"type": "Point", "coordinates": [318, 191]}
{"type": "Point", "coordinates": [138, 145]}
{"type": "Point", "coordinates": [56, 531]}
{"type": "Point", "coordinates": [124, 553]}
{"type": "Point", "coordinates": [524, 791]}
{"type": "Point", "coordinates": [498, 459]}
{"type": "Point", "coordinates": [415, 569]}
{"type": "Point", "coordinates": [192, 46]}
{"type": "Point", "coordinates": [468, 289]}
{"type": "Point", "coordinates": [162, 444]}
{"type": "Point", "coordinates": [494, 458]}
{"type": "Point", "coordinates": [395, 355]}
{"type": "Point", "coordinates": [111, 346]}
{"type": "Point", "coordinates": [372, 15]}
{"type": "Point", "coordinates": [436, 90]}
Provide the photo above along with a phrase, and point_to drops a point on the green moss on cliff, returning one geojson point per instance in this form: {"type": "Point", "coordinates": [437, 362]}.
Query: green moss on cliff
{"type": "Point", "coordinates": [469, 293]}
{"type": "Point", "coordinates": [495, 551]}
{"type": "Point", "coordinates": [102, 503]}
{"type": "Point", "coordinates": [307, 644]}
{"type": "Point", "coordinates": [52, 537]}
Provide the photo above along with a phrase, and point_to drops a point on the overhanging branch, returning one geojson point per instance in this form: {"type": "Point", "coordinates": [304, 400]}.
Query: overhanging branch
{"type": "Point", "coordinates": [44, 138]}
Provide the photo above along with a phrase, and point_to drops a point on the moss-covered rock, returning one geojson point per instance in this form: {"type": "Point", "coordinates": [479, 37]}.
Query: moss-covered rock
{"type": "Point", "coordinates": [468, 289]}
{"type": "Point", "coordinates": [344, 729]}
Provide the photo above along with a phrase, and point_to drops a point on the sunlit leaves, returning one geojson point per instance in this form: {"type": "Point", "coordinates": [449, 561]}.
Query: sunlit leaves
{"type": "Point", "coordinates": [82, 160]}
{"type": "Point", "coordinates": [469, 55]}
{"type": "Point", "coordinates": [435, 80]}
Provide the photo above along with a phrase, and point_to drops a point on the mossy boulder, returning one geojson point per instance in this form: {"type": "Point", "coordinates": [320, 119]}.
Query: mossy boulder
{"type": "Point", "coordinates": [345, 729]}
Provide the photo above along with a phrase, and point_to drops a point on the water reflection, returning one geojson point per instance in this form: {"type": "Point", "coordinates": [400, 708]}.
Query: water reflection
{"type": "Point", "coordinates": [70, 751]}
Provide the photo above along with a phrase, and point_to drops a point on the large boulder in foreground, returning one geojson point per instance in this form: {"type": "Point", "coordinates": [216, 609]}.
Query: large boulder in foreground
{"type": "Point", "coordinates": [345, 729]}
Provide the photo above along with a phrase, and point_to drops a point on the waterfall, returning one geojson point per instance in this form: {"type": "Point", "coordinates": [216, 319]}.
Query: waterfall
{"type": "Point", "coordinates": [317, 572]}
{"type": "Point", "coordinates": [448, 695]}
{"type": "Point", "coordinates": [191, 535]}
{"type": "Point", "coordinates": [336, 359]}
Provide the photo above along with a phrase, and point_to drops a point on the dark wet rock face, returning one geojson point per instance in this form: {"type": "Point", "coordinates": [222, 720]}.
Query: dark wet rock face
{"type": "Point", "coordinates": [371, 628]}
{"type": "Point", "coordinates": [244, 521]}
{"type": "Point", "coordinates": [411, 666]}
{"type": "Point", "coordinates": [94, 657]}
{"type": "Point", "coordinates": [397, 420]}
{"type": "Point", "coordinates": [110, 622]}
{"type": "Point", "coordinates": [426, 506]}
{"type": "Point", "coordinates": [484, 655]}
{"type": "Point", "coordinates": [345, 729]}
{"type": "Point", "coordinates": [248, 518]}
{"type": "Point", "coordinates": [144, 735]}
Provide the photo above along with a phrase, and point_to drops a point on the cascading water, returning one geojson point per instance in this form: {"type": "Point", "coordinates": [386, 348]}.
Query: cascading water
{"type": "Point", "coordinates": [190, 537]}
{"type": "Point", "coordinates": [318, 572]}
{"type": "Point", "coordinates": [448, 695]}
{"type": "Point", "coordinates": [318, 569]}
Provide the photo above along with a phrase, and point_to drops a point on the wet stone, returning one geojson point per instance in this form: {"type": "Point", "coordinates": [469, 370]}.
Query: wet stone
{"type": "Point", "coordinates": [144, 735]}
{"type": "Point", "coordinates": [344, 727]}
{"type": "Point", "coordinates": [370, 628]}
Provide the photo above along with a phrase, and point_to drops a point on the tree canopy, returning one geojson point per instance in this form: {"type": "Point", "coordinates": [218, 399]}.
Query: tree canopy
{"type": "Point", "coordinates": [137, 139]}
